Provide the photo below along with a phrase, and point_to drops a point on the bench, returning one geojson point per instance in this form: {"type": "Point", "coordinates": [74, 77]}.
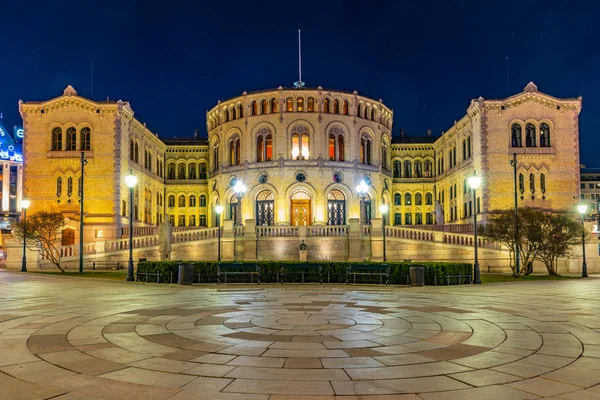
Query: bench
{"type": "Point", "coordinates": [301, 269]}
{"type": "Point", "coordinates": [381, 270]}
{"type": "Point", "coordinates": [234, 268]}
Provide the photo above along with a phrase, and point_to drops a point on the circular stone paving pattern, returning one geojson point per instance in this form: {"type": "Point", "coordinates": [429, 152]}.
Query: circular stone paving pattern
{"type": "Point", "coordinates": [259, 343]}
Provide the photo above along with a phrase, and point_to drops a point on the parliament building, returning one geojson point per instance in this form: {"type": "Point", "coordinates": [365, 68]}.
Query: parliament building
{"type": "Point", "coordinates": [301, 153]}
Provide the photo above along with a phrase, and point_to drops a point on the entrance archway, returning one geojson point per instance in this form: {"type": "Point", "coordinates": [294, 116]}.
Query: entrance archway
{"type": "Point", "coordinates": [265, 208]}
{"type": "Point", "coordinates": [336, 208]}
{"type": "Point", "coordinates": [300, 208]}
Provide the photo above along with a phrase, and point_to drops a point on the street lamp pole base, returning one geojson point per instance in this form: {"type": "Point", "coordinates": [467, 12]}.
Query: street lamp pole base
{"type": "Point", "coordinates": [584, 272]}
{"type": "Point", "coordinates": [130, 277]}
{"type": "Point", "coordinates": [476, 274]}
{"type": "Point", "coordinates": [24, 265]}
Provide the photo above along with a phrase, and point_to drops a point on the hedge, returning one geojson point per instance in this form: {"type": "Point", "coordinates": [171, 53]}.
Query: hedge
{"type": "Point", "coordinates": [206, 272]}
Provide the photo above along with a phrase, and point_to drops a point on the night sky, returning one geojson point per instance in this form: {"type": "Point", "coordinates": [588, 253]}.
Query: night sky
{"type": "Point", "coordinates": [425, 59]}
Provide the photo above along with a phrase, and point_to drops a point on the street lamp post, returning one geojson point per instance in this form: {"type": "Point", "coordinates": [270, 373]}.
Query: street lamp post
{"type": "Point", "coordinates": [219, 210]}
{"type": "Point", "coordinates": [474, 182]}
{"type": "Point", "coordinates": [384, 209]}
{"type": "Point", "coordinates": [24, 205]}
{"type": "Point", "coordinates": [239, 188]}
{"type": "Point", "coordinates": [582, 208]}
{"type": "Point", "coordinates": [362, 190]}
{"type": "Point", "coordinates": [513, 163]}
{"type": "Point", "coordinates": [130, 181]}
{"type": "Point", "coordinates": [83, 163]}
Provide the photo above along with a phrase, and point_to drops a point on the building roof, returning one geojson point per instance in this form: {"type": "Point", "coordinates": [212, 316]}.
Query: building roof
{"type": "Point", "coordinates": [185, 142]}
{"type": "Point", "coordinates": [414, 139]}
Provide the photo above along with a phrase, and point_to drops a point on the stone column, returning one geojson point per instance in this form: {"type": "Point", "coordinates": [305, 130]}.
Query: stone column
{"type": "Point", "coordinates": [250, 242]}
{"type": "Point", "coordinates": [376, 240]}
{"type": "Point", "coordinates": [227, 240]}
{"type": "Point", "coordinates": [354, 240]}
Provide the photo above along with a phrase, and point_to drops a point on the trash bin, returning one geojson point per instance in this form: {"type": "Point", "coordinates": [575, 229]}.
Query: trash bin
{"type": "Point", "coordinates": [186, 273]}
{"type": "Point", "coordinates": [417, 276]}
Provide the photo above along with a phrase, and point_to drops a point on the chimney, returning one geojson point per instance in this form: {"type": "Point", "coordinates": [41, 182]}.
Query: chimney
{"type": "Point", "coordinates": [196, 134]}
{"type": "Point", "coordinates": [402, 133]}
{"type": "Point", "coordinates": [429, 132]}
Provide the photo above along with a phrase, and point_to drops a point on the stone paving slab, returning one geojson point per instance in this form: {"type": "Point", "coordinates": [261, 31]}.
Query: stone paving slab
{"type": "Point", "coordinates": [297, 342]}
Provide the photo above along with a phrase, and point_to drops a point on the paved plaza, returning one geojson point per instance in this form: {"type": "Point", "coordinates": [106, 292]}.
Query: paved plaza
{"type": "Point", "coordinates": [73, 338]}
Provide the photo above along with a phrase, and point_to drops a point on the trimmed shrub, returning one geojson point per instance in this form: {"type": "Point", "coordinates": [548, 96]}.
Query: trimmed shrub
{"type": "Point", "coordinates": [440, 273]}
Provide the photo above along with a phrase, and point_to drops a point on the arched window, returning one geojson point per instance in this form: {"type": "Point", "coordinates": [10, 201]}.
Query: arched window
{"type": "Point", "coordinates": [234, 150]}
{"type": "Point", "coordinates": [202, 200]}
{"type": "Point", "coordinates": [544, 135]}
{"type": "Point", "coordinates": [171, 171]}
{"type": "Point", "coordinates": [300, 143]}
{"type": "Point", "coordinates": [263, 107]}
{"type": "Point", "coordinates": [273, 105]}
{"type": "Point", "coordinates": [181, 171]}
{"type": "Point", "coordinates": [58, 186]}
{"type": "Point", "coordinates": [521, 183]}
{"type": "Point", "coordinates": [345, 108]}
{"type": "Point", "coordinates": [464, 149]}
{"type": "Point", "coordinates": [374, 115]}
{"type": "Point", "coordinates": [192, 201]}
{"type": "Point", "coordinates": [86, 136]}
{"type": "Point", "coordinates": [418, 199]}
{"type": "Point", "coordinates": [289, 104]}
{"type": "Point", "coordinates": [336, 208]}
{"type": "Point", "coordinates": [311, 104]}
{"type": "Point", "coordinates": [365, 149]}
{"type": "Point", "coordinates": [264, 145]}
{"type": "Point", "coordinates": [369, 114]}
{"type": "Point", "coordinates": [397, 169]}
{"type": "Point", "coordinates": [240, 111]}
{"type": "Point", "coordinates": [384, 155]}
{"type": "Point", "coordinates": [56, 139]}
{"type": "Point", "coordinates": [359, 110]}
{"type": "Point", "coordinates": [136, 152]}
{"type": "Point", "coordinates": [300, 104]}
{"type": "Point", "coordinates": [530, 135]}
{"type": "Point", "coordinates": [418, 169]}
{"type": "Point", "coordinates": [469, 147]}
{"type": "Point", "coordinates": [397, 199]}
{"type": "Point", "coordinates": [254, 107]}
{"type": "Point", "coordinates": [69, 186]}
{"type": "Point", "coordinates": [428, 199]}
{"type": "Point", "coordinates": [226, 115]}
{"type": "Point", "coordinates": [336, 106]}
{"type": "Point", "coordinates": [71, 139]}
{"type": "Point", "coordinates": [428, 169]}
{"type": "Point", "coordinates": [181, 201]}
{"type": "Point", "coordinates": [543, 183]}
{"type": "Point", "coordinates": [265, 208]}
{"type": "Point", "coordinates": [202, 171]}
{"type": "Point", "coordinates": [326, 105]}
{"type": "Point", "coordinates": [192, 171]}
{"type": "Point", "coordinates": [407, 169]}
{"type": "Point", "coordinates": [532, 183]}
{"type": "Point", "coordinates": [171, 201]}
{"type": "Point", "coordinates": [216, 156]}
{"type": "Point", "coordinates": [516, 135]}
{"type": "Point", "coordinates": [336, 144]}
{"type": "Point", "coordinates": [407, 199]}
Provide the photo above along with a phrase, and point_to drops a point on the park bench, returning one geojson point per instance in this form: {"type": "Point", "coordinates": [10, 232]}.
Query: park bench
{"type": "Point", "coordinates": [234, 268]}
{"type": "Point", "coordinates": [302, 269]}
{"type": "Point", "coordinates": [381, 270]}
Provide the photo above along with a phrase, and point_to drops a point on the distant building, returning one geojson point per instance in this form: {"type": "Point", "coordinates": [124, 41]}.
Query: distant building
{"type": "Point", "coordinates": [590, 189]}
{"type": "Point", "coordinates": [11, 175]}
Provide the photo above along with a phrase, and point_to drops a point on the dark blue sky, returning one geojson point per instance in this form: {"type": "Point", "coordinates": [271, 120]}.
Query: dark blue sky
{"type": "Point", "coordinates": [425, 59]}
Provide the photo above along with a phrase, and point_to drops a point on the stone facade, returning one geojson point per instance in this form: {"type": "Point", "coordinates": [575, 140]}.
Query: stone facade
{"type": "Point", "coordinates": [301, 154]}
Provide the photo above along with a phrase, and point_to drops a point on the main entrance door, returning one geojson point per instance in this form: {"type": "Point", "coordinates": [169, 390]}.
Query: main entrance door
{"type": "Point", "coordinates": [300, 212]}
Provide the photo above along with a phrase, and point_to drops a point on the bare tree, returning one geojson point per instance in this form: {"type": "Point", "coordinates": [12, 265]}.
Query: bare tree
{"type": "Point", "coordinates": [558, 233]}
{"type": "Point", "coordinates": [501, 227]}
{"type": "Point", "coordinates": [43, 234]}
